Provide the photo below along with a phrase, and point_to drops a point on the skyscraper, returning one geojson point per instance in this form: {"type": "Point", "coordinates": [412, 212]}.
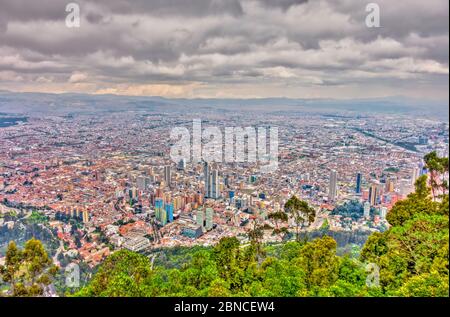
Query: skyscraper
{"type": "Point", "coordinates": [214, 185]}
{"type": "Point", "coordinates": [358, 183]}
{"type": "Point", "coordinates": [167, 175]}
{"type": "Point", "coordinates": [212, 189]}
{"type": "Point", "coordinates": [200, 217]}
{"type": "Point", "coordinates": [169, 212]}
{"type": "Point", "coordinates": [159, 208]}
{"type": "Point", "coordinates": [415, 173]}
{"type": "Point", "coordinates": [209, 218]}
{"type": "Point", "coordinates": [333, 186]}
{"type": "Point", "coordinates": [390, 184]}
{"type": "Point", "coordinates": [85, 216]}
{"type": "Point", "coordinates": [143, 183]}
{"type": "Point", "coordinates": [163, 215]}
{"type": "Point", "coordinates": [206, 172]}
{"type": "Point", "coordinates": [373, 194]}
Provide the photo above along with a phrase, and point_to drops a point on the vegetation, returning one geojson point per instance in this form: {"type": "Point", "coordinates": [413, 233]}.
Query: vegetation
{"type": "Point", "coordinates": [352, 209]}
{"type": "Point", "coordinates": [412, 259]}
{"type": "Point", "coordinates": [301, 212]}
{"type": "Point", "coordinates": [27, 271]}
{"type": "Point", "coordinates": [23, 229]}
{"type": "Point", "coordinates": [408, 259]}
{"type": "Point", "coordinates": [438, 168]}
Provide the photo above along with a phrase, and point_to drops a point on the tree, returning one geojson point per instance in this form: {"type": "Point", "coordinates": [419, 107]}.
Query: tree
{"type": "Point", "coordinates": [416, 203]}
{"type": "Point", "coordinates": [319, 262]}
{"type": "Point", "coordinates": [255, 235]}
{"type": "Point", "coordinates": [301, 212]}
{"type": "Point", "coordinates": [227, 255]}
{"type": "Point", "coordinates": [425, 285]}
{"type": "Point", "coordinates": [201, 271]}
{"type": "Point", "coordinates": [325, 226]}
{"type": "Point", "coordinates": [122, 274]}
{"type": "Point", "coordinates": [413, 254]}
{"type": "Point", "coordinates": [219, 288]}
{"type": "Point", "coordinates": [282, 278]}
{"type": "Point", "coordinates": [352, 279]}
{"type": "Point", "coordinates": [437, 167]}
{"type": "Point", "coordinates": [29, 271]}
{"type": "Point", "coordinates": [278, 218]}
{"type": "Point", "coordinates": [10, 271]}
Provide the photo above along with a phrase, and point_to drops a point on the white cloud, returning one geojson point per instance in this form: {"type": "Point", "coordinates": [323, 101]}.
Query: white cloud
{"type": "Point", "coordinates": [78, 77]}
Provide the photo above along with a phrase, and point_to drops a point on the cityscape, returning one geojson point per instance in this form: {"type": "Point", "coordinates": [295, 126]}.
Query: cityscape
{"type": "Point", "coordinates": [112, 174]}
{"type": "Point", "coordinates": [224, 149]}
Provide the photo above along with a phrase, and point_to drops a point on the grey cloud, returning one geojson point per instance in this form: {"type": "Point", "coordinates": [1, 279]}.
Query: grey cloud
{"type": "Point", "coordinates": [226, 41]}
{"type": "Point", "coordinates": [284, 4]}
{"type": "Point", "coordinates": [24, 10]}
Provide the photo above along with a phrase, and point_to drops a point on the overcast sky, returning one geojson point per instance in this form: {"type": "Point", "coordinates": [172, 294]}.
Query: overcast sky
{"type": "Point", "coordinates": [227, 48]}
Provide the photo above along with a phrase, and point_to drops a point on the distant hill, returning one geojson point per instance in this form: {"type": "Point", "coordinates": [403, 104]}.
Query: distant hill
{"type": "Point", "coordinates": [60, 104]}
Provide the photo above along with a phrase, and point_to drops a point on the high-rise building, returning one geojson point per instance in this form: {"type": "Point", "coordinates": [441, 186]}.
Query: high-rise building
{"type": "Point", "coordinates": [206, 175]}
{"type": "Point", "coordinates": [143, 183]}
{"type": "Point", "coordinates": [231, 194]}
{"type": "Point", "coordinates": [212, 188]}
{"type": "Point", "coordinates": [200, 217]}
{"type": "Point", "coordinates": [167, 175]}
{"type": "Point", "coordinates": [209, 218]}
{"type": "Point", "coordinates": [181, 165]}
{"type": "Point", "coordinates": [163, 219]}
{"type": "Point", "coordinates": [159, 208]}
{"type": "Point", "coordinates": [358, 183]}
{"type": "Point", "coordinates": [214, 185]}
{"type": "Point", "coordinates": [373, 194]}
{"type": "Point", "coordinates": [390, 185]}
{"type": "Point", "coordinates": [133, 193]}
{"type": "Point", "coordinates": [169, 212]}
{"type": "Point", "coordinates": [414, 175]}
{"type": "Point", "coordinates": [332, 192]}
{"type": "Point", "coordinates": [85, 216]}
{"type": "Point", "coordinates": [159, 192]}
{"type": "Point", "coordinates": [226, 181]}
